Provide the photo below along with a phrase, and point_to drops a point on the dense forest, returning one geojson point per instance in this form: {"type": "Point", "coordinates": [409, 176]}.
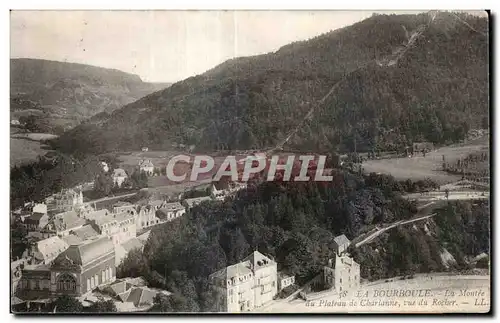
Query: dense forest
{"type": "Point", "coordinates": [295, 223]}
{"type": "Point", "coordinates": [434, 88]}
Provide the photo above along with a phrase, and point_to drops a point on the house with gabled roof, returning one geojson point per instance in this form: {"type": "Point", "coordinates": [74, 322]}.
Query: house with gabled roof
{"type": "Point", "coordinates": [119, 176]}
{"type": "Point", "coordinates": [147, 167]}
{"type": "Point", "coordinates": [246, 285]}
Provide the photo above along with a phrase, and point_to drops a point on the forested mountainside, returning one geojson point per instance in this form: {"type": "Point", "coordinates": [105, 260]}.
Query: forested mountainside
{"type": "Point", "coordinates": [295, 223]}
{"type": "Point", "coordinates": [381, 83]}
{"type": "Point", "coordinates": [60, 95]}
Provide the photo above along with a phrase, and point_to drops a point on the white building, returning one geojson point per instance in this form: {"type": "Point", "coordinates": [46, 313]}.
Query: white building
{"type": "Point", "coordinates": [119, 176]}
{"type": "Point", "coordinates": [146, 217]}
{"type": "Point", "coordinates": [341, 275]}
{"type": "Point", "coordinates": [190, 203]}
{"type": "Point", "coordinates": [246, 285]}
{"type": "Point", "coordinates": [119, 227]}
{"type": "Point", "coordinates": [147, 167]}
{"type": "Point", "coordinates": [67, 200]}
{"type": "Point", "coordinates": [341, 243]}
{"type": "Point", "coordinates": [40, 208]}
{"type": "Point", "coordinates": [171, 211]}
{"type": "Point", "coordinates": [285, 280]}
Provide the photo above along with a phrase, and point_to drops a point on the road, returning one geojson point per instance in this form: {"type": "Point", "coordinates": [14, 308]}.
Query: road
{"type": "Point", "coordinates": [382, 230]}
{"type": "Point", "coordinates": [431, 198]}
{"type": "Point", "coordinates": [441, 196]}
{"type": "Point", "coordinates": [107, 198]}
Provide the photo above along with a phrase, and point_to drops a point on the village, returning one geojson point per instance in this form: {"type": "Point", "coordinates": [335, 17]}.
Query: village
{"type": "Point", "coordinates": [75, 249]}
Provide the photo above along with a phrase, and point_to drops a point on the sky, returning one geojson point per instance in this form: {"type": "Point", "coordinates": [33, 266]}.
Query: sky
{"type": "Point", "coordinates": [165, 46]}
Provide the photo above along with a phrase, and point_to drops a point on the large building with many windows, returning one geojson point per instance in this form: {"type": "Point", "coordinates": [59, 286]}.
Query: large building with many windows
{"type": "Point", "coordinates": [76, 271]}
{"type": "Point", "coordinates": [246, 285]}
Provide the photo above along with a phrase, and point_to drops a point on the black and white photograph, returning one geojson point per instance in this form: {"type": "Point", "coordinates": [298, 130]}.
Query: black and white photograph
{"type": "Point", "coordinates": [249, 161]}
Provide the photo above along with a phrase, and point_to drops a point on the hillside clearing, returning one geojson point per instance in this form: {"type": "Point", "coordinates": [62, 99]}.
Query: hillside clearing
{"type": "Point", "coordinates": [430, 166]}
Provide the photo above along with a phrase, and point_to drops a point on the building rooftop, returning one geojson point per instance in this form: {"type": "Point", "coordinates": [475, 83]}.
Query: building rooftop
{"type": "Point", "coordinates": [35, 216]}
{"type": "Point", "coordinates": [253, 262]}
{"type": "Point", "coordinates": [122, 216]}
{"type": "Point", "coordinates": [86, 252]}
{"type": "Point", "coordinates": [146, 163]}
{"type": "Point", "coordinates": [122, 203]}
{"type": "Point", "coordinates": [341, 240]}
{"type": "Point", "coordinates": [258, 260]}
{"type": "Point", "coordinates": [86, 232]}
{"type": "Point", "coordinates": [156, 203]}
{"type": "Point", "coordinates": [97, 214]}
{"type": "Point", "coordinates": [193, 201]}
{"type": "Point", "coordinates": [170, 207]}
{"type": "Point", "coordinates": [72, 239]}
{"type": "Point", "coordinates": [51, 247]}
{"type": "Point", "coordinates": [119, 172]}
{"type": "Point", "coordinates": [67, 221]}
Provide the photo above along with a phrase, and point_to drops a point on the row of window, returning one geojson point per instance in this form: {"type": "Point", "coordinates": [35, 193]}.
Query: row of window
{"type": "Point", "coordinates": [93, 281]}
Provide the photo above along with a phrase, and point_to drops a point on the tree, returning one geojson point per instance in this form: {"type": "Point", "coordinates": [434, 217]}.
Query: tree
{"type": "Point", "coordinates": [102, 306]}
{"type": "Point", "coordinates": [67, 304]}
{"type": "Point", "coordinates": [103, 185]}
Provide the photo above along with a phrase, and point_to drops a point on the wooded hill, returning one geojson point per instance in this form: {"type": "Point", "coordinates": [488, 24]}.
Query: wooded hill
{"type": "Point", "coordinates": [62, 94]}
{"type": "Point", "coordinates": [395, 79]}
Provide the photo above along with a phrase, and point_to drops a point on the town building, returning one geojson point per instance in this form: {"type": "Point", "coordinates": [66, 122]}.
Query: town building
{"type": "Point", "coordinates": [342, 274]}
{"type": "Point", "coordinates": [76, 271]}
{"type": "Point", "coordinates": [224, 188]}
{"type": "Point", "coordinates": [340, 244]}
{"type": "Point", "coordinates": [133, 290]}
{"type": "Point", "coordinates": [246, 285]}
{"type": "Point", "coordinates": [145, 149]}
{"type": "Point", "coordinates": [147, 167]}
{"type": "Point", "coordinates": [63, 223]}
{"type": "Point", "coordinates": [71, 199]}
{"type": "Point", "coordinates": [156, 204]}
{"type": "Point", "coordinates": [36, 222]}
{"type": "Point", "coordinates": [85, 233]}
{"type": "Point", "coordinates": [122, 206]}
{"type": "Point", "coordinates": [192, 202]}
{"type": "Point", "coordinates": [285, 280]}
{"type": "Point", "coordinates": [118, 227]}
{"type": "Point", "coordinates": [119, 176]}
{"type": "Point", "coordinates": [40, 208]}
{"type": "Point", "coordinates": [46, 250]}
{"type": "Point", "coordinates": [146, 217]}
{"type": "Point", "coordinates": [171, 211]}
{"type": "Point", "coordinates": [95, 214]}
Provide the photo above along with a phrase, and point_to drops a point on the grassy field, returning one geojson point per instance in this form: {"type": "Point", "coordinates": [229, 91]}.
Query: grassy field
{"type": "Point", "coordinates": [430, 166]}
{"type": "Point", "coordinates": [26, 147]}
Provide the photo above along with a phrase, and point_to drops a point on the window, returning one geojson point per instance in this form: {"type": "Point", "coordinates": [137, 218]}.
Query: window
{"type": "Point", "coordinates": [88, 284]}
{"type": "Point", "coordinates": [66, 282]}
{"type": "Point", "coordinates": [103, 276]}
{"type": "Point", "coordinates": [273, 284]}
{"type": "Point", "coordinates": [37, 284]}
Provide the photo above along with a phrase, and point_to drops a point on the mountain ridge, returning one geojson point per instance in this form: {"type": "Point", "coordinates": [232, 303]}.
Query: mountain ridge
{"type": "Point", "coordinates": [236, 104]}
{"type": "Point", "coordinates": [64, 94]}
